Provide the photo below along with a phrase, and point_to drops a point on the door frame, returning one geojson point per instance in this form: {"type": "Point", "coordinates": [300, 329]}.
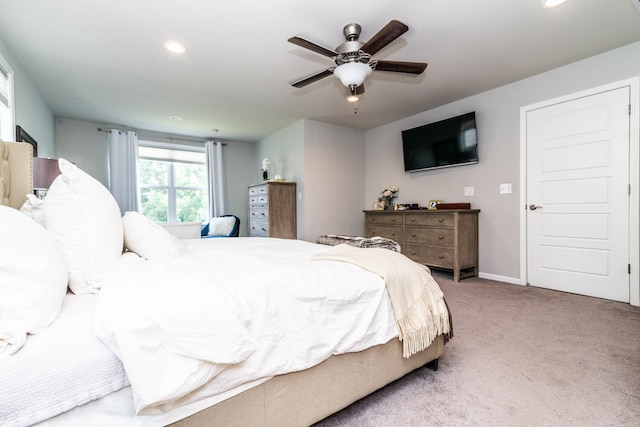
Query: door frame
{"type": "Point", "coordinates": [634, 177]}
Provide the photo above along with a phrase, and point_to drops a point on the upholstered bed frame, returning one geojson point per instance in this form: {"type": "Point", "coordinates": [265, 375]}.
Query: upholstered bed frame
{"type": "Point", "coordinates": [16, 164]}
{"type": "Point", "coordinates": [295, 399]}
{"type": "Point", "coordinates": [302, 398]}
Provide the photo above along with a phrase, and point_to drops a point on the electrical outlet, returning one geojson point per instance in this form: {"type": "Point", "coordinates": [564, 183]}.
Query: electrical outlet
{"type": "Point", "coordinates": [469, 191]}
{"type": "Point", "coordinates": [505, 188]}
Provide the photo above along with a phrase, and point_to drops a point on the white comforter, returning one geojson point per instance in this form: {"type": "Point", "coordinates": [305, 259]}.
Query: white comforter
{"type": "Point", "coordinates": [231, 311]}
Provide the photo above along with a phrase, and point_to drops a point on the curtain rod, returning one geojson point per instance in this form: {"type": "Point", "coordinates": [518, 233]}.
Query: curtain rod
{"type": "Point", "coordinates": [172, 138]}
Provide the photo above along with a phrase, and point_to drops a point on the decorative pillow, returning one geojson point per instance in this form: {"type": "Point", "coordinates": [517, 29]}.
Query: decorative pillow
{"type": "Point", "coordinates": [33, 278]}
{"type": "Point", "coordinates": [85, 219]}
{"type": "Point", "coordinates": [33, 208]}
{"type": "Point", "coordinates": [221, 226]}
{"type": "Point", "coordinates": [148, 239]}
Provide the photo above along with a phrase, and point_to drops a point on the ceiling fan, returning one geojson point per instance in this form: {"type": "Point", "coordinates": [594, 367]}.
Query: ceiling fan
{"type": "Point", "coordinates": [353, 57]}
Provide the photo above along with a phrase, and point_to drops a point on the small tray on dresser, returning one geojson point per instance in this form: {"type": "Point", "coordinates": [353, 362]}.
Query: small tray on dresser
{"type": "Point", "coordinates": [453, 206]}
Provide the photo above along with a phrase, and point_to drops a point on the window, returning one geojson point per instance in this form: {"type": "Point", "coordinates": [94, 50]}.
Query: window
{"type": "Point", "coordinates": [6, 101]}
{"type": "Point", "coordinates": [173, 183]}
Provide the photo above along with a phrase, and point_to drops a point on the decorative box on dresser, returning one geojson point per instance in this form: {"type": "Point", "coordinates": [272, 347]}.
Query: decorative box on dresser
{"type": "Point", "coordinates": [438, 238]}
{"type": "Point", "coordinates": [272, 210]}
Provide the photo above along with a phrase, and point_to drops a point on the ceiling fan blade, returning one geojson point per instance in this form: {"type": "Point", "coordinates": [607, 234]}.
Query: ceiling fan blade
{"type": "Point", "coordinates": [313, 78]}
{"type": "Point", "coordinates": [401, 66]}
{"type": "Point", "coordinates": [312, 46]}
{"type": "Point", "coordinates": [389, 33]}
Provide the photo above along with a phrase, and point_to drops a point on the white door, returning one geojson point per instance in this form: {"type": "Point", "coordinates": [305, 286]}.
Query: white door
{"type": "Point", "coordinates": [578, 195]}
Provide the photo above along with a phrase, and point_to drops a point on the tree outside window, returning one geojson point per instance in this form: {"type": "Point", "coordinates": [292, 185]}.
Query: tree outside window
{"type": "Point", "coordinates": [173, 190]}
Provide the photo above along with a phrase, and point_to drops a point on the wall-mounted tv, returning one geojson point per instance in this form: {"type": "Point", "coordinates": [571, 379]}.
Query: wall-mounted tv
{"type": "Point", "coordinates": [442, 144]}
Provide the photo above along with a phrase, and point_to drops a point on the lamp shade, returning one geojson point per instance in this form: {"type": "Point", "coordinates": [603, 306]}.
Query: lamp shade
{"type": "Point", "coordinates": [352, 73]}
{"type": "Point", "coordinates": [44, 172]}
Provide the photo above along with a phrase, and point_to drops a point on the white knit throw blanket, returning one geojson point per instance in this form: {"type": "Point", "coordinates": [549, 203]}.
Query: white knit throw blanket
{"type": "Point", "coordinates": [418, 303]}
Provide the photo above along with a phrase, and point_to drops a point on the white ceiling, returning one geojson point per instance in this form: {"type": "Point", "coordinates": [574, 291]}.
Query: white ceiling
{"type": "Point", "coordinates": [104, 61]}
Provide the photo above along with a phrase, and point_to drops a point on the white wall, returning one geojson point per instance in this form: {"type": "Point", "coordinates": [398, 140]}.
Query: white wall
{"type": "Point", "coordinates": [31, 110]}
{"type": "Point", "coordinates": [334, 180]}
{"type": "Point", "coordinates": [285, 150]}
{"type": "Point", "coordinates": [327, 164]}
{"type": "Point", "coordinates": [498, 115]}
{"type": "Point", "coordinates": [80, 142]}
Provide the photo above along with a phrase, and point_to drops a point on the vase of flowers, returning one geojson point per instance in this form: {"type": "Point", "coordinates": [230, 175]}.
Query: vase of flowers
{"type": "Point", "coordinates": [265, 169]}
{"type": "Point", "coordinates": [388, 195]}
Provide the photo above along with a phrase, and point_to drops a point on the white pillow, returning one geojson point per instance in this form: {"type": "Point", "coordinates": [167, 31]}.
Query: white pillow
{"type": "Point", "coordinates": [221, 226]}
{"type": "Point", "coordinates": [33, 278]}
{"type": "Point", "coordinates": [148, 239]}
{"type": "Point", "coordinates": [33, 208]}
{"type": "Point", "coordinates": [85, 219]}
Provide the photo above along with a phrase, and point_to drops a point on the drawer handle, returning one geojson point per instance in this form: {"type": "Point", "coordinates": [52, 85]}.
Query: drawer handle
{"type": "Point", "coordinates": [413, 220]}
{"type": "Point", "coordinates": [262, 214]}
{"type": "Point", "coordinates": [440, 237]}
{"type": "Point", "coordinates": [440, 256]}
{"type": "Point", "coordinates": [413, 235]}
{"type": "Point", "coordinates": [393, 220]}
{"type": "Point", "coordinates": [393, 234]}
{"type": "Point", "coordinates": [413, 253]}
{"type": "Point", "coordinates": [440, 220]}
{"type": "Point", "coordinates": [373, 220]}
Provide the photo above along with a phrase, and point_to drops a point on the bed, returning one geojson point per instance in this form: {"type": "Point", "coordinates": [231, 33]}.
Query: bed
{"type": "Point", "coordinates": [110, 356]}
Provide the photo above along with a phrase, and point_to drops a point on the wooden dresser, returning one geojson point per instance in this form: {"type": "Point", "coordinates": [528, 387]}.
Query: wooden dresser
{"type": "Point", "coordinates": [438, 238]}
{"type": "Point", "coordinates": [272, 210]}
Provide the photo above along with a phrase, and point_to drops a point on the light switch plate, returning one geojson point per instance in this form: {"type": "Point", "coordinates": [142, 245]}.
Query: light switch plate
{"type": "Point", "coordinates": [469, 191]}
{"type": "Point", "coordinates": [505, 188]}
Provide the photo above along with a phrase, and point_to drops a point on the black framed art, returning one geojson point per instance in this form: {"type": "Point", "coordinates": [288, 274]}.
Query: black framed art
{"type": "Point", "coordinates": [23, 136]}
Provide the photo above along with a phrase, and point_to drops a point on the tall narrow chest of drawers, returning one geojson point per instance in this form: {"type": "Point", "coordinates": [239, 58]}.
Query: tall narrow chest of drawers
{"type": "Point", "coordinates": [272, 210]}
{"type": "Point", "coordinates": [438, 238]}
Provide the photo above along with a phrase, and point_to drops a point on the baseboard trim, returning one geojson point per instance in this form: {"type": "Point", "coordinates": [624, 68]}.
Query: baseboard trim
{"type": "Point", "coordinates": [497, 278]}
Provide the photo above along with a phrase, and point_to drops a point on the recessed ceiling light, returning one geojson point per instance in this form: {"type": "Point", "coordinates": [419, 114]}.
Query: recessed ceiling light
{"type": "Point", "coordinates": [176, 118]}
{"type": "Point", "coordinates": [174, 47]}
{"type": "Point", "coordinates": [213, 130]}
{"type": "Point", "coordinates": [548, 4]}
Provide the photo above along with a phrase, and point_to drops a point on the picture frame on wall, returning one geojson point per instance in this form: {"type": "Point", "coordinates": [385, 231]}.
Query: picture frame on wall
{"type": "Point", "coordinates": [378, 206]}
{"type": "Point", "coordinates": [23, 136]}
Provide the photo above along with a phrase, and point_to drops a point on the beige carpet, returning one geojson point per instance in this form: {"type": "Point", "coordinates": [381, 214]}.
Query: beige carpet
{"type": "Point", "coordinates": [521, 356]}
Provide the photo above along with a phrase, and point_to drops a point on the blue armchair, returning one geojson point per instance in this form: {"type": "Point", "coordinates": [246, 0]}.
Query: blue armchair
{"type": "Point", "coordinates": [222, 226]}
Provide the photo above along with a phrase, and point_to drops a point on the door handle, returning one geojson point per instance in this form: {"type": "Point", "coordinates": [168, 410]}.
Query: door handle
{"type": "Point", "coordinates": [534, 207]}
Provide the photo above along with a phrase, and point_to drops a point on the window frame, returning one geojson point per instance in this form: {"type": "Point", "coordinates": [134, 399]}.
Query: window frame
{"type": "Point", "coordinates": [173, 189]}
{"type": "Point", "coordinates": [7, 130]}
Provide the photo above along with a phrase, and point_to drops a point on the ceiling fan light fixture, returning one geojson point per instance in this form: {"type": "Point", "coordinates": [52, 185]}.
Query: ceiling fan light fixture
{"type": "Point", "coordinates": [352, 73]}
{"type": "Point", "coordinates": [353, 96]}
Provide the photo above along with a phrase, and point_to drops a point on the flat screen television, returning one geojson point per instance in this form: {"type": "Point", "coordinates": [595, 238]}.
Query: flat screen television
{"type": "Point", "coordinates": [449, 142]}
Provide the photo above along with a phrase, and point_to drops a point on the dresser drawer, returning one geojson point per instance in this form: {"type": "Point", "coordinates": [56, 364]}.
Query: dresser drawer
{"type": "Point", "coordinates": [259, 214]}
{"type": "Point", "coordinates": [430, 255]}
{"type": "Point", "coordinates": [429, 236]}
{"type": "Point", "coordinates": [258, 228]}
{"type": "Point", "coordinates": [393, 232]}
{"type": "Point", "coordinates": [387, 219]}
{"type": "Point", "coordinates": [432, 219]}
{"type": "Point", "coordinates": [258, 189]}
